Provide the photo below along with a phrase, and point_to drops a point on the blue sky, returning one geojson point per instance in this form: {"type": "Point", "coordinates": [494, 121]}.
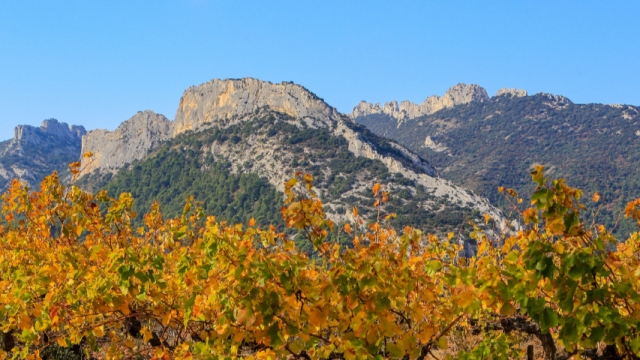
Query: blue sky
{"type": "Point", "coordinates": [96, 63]}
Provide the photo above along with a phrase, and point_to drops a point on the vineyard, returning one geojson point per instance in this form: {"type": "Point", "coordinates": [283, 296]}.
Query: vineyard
{"type": "Point", "coordinates": [79, 280]}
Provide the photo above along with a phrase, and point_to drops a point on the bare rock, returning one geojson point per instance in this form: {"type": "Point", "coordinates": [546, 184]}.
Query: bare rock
{"type": "Point", "coordinates": [35, 152]}
{"type": "Point", "coordinates": [50, 128]}
{"type": "Point", "coordinates": [437, 147]}
{"type": "Point", "coordinates": [555, 101]}
{"type": "Point", "coordinates": [364, 108]}
{"type": "Point", "coordinates": [456, 95]}
{"type": "Point", "coordinates": [512, 92]}
{"type": "Point", "coordinates": [223, 99]}
{"type": "Point", "coordinates": [129, 142]}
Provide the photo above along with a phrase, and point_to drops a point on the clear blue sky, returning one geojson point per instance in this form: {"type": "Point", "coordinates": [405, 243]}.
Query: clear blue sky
{"type": "Point", "coordinates": [96, 63]}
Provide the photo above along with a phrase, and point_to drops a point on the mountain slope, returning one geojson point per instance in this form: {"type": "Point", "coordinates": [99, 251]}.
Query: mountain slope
{"type": "Point", "coordinates": [483, 145]}
{"type": "Point", "coordinates": [245, 127]}
{"type": "Point", "coordinates": [35, 152]}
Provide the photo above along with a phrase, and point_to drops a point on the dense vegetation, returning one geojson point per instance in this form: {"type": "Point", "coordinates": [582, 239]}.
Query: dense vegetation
{"type": "Point", "coordinates": [495, 143]}
{"type": "Point", "coordinates": [84, 283]}
{"type": "Point", "coordinates": [172, 175]}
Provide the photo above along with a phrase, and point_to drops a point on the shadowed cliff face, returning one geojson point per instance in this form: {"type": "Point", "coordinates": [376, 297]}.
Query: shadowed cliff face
{"type": "Point", "coordinates": [35, 152]}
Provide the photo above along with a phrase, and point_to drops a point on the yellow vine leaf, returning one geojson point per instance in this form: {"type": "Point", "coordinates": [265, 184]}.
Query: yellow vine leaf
{"type": "Point", "coordinates": [376, 188]}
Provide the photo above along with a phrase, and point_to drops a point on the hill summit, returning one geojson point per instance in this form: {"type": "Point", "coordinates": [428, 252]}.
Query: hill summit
{"type": "Point", "coordinates": [456, 95]}
{"type": "Point", "coordinates": [35, 152]}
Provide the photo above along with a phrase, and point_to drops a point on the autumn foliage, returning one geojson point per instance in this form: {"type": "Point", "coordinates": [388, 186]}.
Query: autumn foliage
{"type": "Point", "coordinates": [75, 273]}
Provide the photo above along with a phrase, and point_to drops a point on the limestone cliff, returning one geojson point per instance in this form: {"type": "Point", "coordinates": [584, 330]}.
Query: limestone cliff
{"type": "Point", "coordinates": [35, 152]}
{"type": "Point", "coordinates": [512, 92]}
{"type": "Point", "coordinates": [459, 94]}
{"type": "Point", "coordinates": [223, 99]}
{"type": "Point", "coordinates": [555, 101]}
{"type": "Point", "coordinates": [130, 141]}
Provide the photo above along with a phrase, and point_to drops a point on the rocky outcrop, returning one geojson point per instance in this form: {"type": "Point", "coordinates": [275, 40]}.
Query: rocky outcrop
{"type": "Point", "coordinates": [51, 129]}
{"type": "Point", "coordinates": [555, 101]}
{"type": "Point", "coordinates": [437, 147]}
{"type": "Point", "coordinates": [224, 99]}
{"type": "Point", "coordinates": [131, 141]}
{"type": "Point", "coordinates": [459, 94]}
{"type": "Point", "coordinates": [35, 152]}
{"type": "Point", "coordinates": [512, 92]}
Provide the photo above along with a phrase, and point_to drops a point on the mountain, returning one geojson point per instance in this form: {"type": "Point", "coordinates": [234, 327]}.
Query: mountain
{"type": "Point", "coordinates": [486, 143]}
{"type": "Point", "coordinates": [129, 142]}
{"type": "Point", "coordinates": [459, 94]}
{"type": "Point", "coordinates": [235, 142]}
{"type": "Point", "coordinates": [35, 152]}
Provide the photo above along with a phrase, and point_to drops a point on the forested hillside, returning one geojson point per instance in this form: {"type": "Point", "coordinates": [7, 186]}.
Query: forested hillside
{"type": "Point", "coordinates": [485, 145]}
{"type": "Point", "coordinates": [206, 164]}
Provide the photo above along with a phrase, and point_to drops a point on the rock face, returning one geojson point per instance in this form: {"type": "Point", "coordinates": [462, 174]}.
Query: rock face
{"type": "Point", "coordinates": [459, 94]}
{"type": "Point", "coordinates": [512, 92]}
{"type": "Point", "coordinates": [50, 129]}
{"type": "Point", "coordinates": [130, 141]}
{"type": "Point", "coordinates": [35, 152]}
{"type": "Point", "coordinates": [429, 143]}
{"type": "Point", "coordinates": [555, 101]}
{"type": "Point", "coordinates": [223, 99]}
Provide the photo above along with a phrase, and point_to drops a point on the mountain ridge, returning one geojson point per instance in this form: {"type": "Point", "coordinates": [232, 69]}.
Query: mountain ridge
{"type": "Point", "coordinates": [35, 152]}
{"type": "Point", "coordinates": [457, 94]}
{"type": "Point", "coordinates": [217, 114]}
{"type": "Point", "coordinates": [129, 142]}
{"type": "Point", "coordinates": [485, 145]}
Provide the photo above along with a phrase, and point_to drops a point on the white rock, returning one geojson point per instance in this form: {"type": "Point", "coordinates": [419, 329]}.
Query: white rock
{"type": "Point", "coordinates": [130, 141]}
{"type": "Point", "coordinates": [456, 95]}
{"type": "Point", "coordinates": [429, 143]}
{"type": "Point", "coordinates": [512, 92]}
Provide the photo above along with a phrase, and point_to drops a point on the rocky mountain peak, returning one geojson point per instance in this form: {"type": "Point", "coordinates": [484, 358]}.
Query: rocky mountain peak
{"type": "Point", "coordinates": [130, 141]}
{"type": "Point", "coordinates": [34, 152]}
{"type": "Point", "coordinates": [456, 95]}
{"type": "Point", "coordinates": [512, 92]}
{"type": "Point", "coordinates": [56, 128]}
{"type": "Point", "coordinates": [220, 105]}
{"type": "Point", "coordinates": [224, 99]}
{"type": "Point", "coordinates": [555, 100]}
{"type": "Point", "coordinates": [27, 134]}
{"type": "Point", "coordinates": [463, 93]}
